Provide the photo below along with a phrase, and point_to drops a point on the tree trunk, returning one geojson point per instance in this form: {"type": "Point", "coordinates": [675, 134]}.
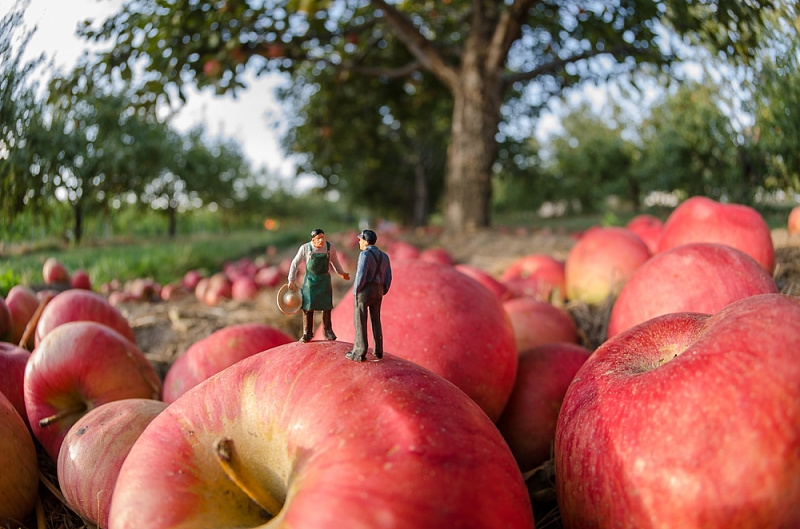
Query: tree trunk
{"type": "Point", "coordinates": [78, 210]}
{"type": "Point", "coordinates": [473, 146]}
{"type": "Point", "coordinates": [420, 213]}
{"type": "Point", "coordinates": [173, 221]}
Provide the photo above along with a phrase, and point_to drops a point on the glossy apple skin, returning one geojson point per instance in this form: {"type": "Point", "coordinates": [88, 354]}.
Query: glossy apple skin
{"type": "Point", "coordinates": [12, 375]}
{"type": "Point", "coordinates": [94, 450]}
{"type": "Point", "coordinates": [82, 305]}
{"type": "Point", "coordinates": [82, 365]}
{"type": "Point", "coordinates": [19, 479]}
{"type": "Point", "coordinates": [528, 423]}
{"type": "Point", "coordinates": [219, 350]}
{"type": "Point", "coordinates": [357, 445]}
{"type": "Point", "coordinates": [601, 262]}
{"type": "Point", "coordinates": [701, 219]}
{"type": "Point", "coordinates": [536, 275]}
{"type": "Point", "coordinates": [447, 322]}
{"type": "Point", "coordinates": [687, 420]}
{"type": "Point", "coordinates": [54, 271]}
{"type": "Point", "coordinates": [698, 277]}
{"type": "Point", "coordinates": [538, 322]}
{"type": "Point", "coordinates": [22, 303]}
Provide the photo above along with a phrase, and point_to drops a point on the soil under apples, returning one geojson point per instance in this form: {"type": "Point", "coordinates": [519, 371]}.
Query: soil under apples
{"type": "Point", "coordinates": [165, 329]}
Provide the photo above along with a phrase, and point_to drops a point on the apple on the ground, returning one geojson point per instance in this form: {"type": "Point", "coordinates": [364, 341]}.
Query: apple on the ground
{"type": "Point", "coordinates": [688, 420]}
{"type": "Point", "coordinates": [19, 478]}
{"type": "Point", "coordinates": [536, 275]}
{"type": "Point", "coordinates": [22, 304]}
{"type": "Point", "coordinates": [12, 375]}
{"type": "Point", "coordinates": [303, 436]}
{"type": "Point", "coordinates": [539, 322]}
{"type": "Point", "coordinates": [54, 271]}
{"type": "Point", "coordinates": [648, 228]}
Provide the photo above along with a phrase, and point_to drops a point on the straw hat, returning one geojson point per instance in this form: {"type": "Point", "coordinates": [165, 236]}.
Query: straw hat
{"type": "Point", "coordinates": [289, 301]}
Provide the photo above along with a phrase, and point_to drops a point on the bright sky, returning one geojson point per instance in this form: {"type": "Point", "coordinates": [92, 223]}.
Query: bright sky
{"type": "Point", "coordinates": [244, 119]}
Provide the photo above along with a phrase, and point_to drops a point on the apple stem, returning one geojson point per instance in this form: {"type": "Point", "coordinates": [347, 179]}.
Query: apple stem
{"type": "Point", "coordinates": [75, 408]}
{"type": "Point", "coordinates": [34, 321]}
{"type": "Point", "coordinates": [233, 468]}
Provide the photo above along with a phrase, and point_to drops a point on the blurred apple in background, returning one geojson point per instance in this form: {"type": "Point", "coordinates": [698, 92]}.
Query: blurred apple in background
{"type": "Point", "coordinates": [793, 222]}
{"type": "Point", "coordinates": [82, 305]}
{"type": "Point", "coordinates": [485, 279]}
{"type": "Point", "coordinates": [601, 262]}
{"type": "Point", "coordinates": [701, 219]}
{"type": "Point", "coordinates": [80, 279]}
{"type": "Point", "coordinates": [219, 350]}
{"type": "Point", "coordinates": [437, 255]}
{"type": "Point", "coordinates": [648, 228]}
{"type": "Point", "coordinates": [301, 435]}
{"type": "Point", "coordinates": [687, 420]}
{"type": "Point", "coordinates": [447, 322]}
{"type": "Point", "coordinates": [94, 450]}
{"type": "Point", "coordinates": [54, 272]}
{"type": "Point", "coordinates": [22, 304]}
{"type": "Point", "coordinates": [5, 322]}
{"type": "Point", "coordinates": [536, 275]}
{"type": "Point", "coordinates": [12, 375]}
{"type": "Point", "coordinates": [538, 322]}
{"type": "Point", "coordinates": [528, 423]}
{"type": "Point", "coordinates": [79, 366]}
{"type": "Point", "coordinates": [19, 478]}
{"type": "Point", "coordinates": [700, 277]}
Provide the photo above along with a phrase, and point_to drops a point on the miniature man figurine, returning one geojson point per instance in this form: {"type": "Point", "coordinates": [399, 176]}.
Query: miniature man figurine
{"type": "Point", "coordinates": [373, 279]}
{"type": "Point", "coordinates": [319, 256]}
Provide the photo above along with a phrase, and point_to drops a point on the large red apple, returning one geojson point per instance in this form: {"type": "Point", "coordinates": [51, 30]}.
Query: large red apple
{"type": "Point", "coordinates": [22, 303]}
{"type": "Point", "coordinates": [601, 262]}
{"type": "Point", "coordinates": [437, 255]}
{"type": "Point", "coordinates": [301, 433]}
{"type": "Point", "coordinates": [538, 322]}
{"type": "Point", "coordinates": [447, 322]}
{"type": "Point", "coordinates": [699, 277]}
{"type": "Point", "coordinates": [688, 420]}
{"type": "Point", "coordinates": [19, 478]}
{"type": "Point", "coordinates": [528, 423]}
{"type": "Point", "coordinates": [94, 450]}
{"type": "Point", "coordinates": [536, 275]}
{"type": "Point", "coordinates": [76, 367]}
{"type": "Point", "coordinates": [12, 375]}
{"type": "Point", "coordinates": [484, 278]}
{"type": "Point", "coordinates": [54, 271]}
{"type": "Point", "coordinates": [219, 350]}
{"type": "Point", "coordinates": [701, 219]}
{"type": "Point", "coordinates": [648, 228]}
{"type": "Point", "coordinates": [82, 305]}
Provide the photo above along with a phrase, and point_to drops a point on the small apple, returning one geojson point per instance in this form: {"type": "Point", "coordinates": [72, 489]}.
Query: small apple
{"type": "Point", "coordinates": [80, 279]}
{"type": "Point", "coordinates": [528, 423]}
{"type": "Point", "coordinates": [701, 219]}
{"type": "Point", "coordinates": [601, 262]}
{"type": "Point", "coordinates": [94, 450]}
{"type": "Point", "coordinates": [688, 420]}
{"type": "Point", "coordinates": [699, 277]}
{"type": "Point", "coordinates": [648, 228]}
{"type": "Point", "coordinates": [304, 437]}
{"type": "Point", "coordinates": [22, 303]}
{"type": "Point", "coordinates": [19, 479]}
{"type": "Point", "coordinates": [538, 322]}
{"type": "Point", "coordinates": [54, 272]}
{"type": "Point", "coordinates": [269, 276]}
{"type": "Point", "coordinates": [76, 367]}
{"type": "Point", "coordinates": [12, 375]}
{"type": "Point", "coordinates": [82, 305]}
{"type": "Point", "coordinates": [173, 291]}
{"type": "Point", "coordinates": [191, 278]}
{"type": "Point", "coordinates": [536, 275]}
{"type": "Point", "coordinates": [218, 289]}
{"type": "Point", "coordinates": [794, 220]}
{"type": "Point", "coordinates": [219, 350]}
{"type": "Point", "coordinates": [244, 288]}
{"type": "Point", "coordinates": [447, 322]}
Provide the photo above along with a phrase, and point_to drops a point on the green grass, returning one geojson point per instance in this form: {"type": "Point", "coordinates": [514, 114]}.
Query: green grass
{"type": "Point", "coordinates": [162, 259]}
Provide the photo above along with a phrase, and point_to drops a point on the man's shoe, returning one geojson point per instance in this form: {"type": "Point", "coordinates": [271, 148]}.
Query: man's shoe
{"type": "Point", "coordinates": [330, 336]}
{"type": "Point", "coordinates": [352, 356]}
{"type": "Point", "coordinates": [378, 354]}
{"type": "Point", "coordinates": [305, 338]}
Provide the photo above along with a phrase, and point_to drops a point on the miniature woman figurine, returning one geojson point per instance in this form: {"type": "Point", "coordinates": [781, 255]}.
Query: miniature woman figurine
{"type": "Point", "coordinates": [373, 279]}
{"type": "Point", "coordinates": [319, 256]}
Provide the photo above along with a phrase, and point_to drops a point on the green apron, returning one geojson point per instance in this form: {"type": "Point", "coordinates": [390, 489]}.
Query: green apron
{"type": "Point", "coordinates": [317, 287]}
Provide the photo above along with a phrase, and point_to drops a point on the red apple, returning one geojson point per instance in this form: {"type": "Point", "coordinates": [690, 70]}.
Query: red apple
{"type": "Point", "coordinates": [303, 434]}
{"type": "Point", "coordinates": [437, 255]}
{"type": "Point", "coordinates": [688, 420]}
{"type": "Point", "coordinates": [484, 278]}
{"type": "Point", "coordinates": [244, 288]}
{"type": "Point", "coordinates": [218, 289]}
{"type": "Point", "coordinates": [5, 322]}
{"type": "Point", "coordinates": [648, 228]}
{"type": "Point", "coordinates": [400, 250]}
{"type": "Point", "coordinates": [76, 367]}
{"type": "Point", "coordinates": [538, 322]}
{"type": "Point", "coordinates": [701, 219]}
{"type": "Point", "coordinates": [536, 275]}
{"type": "Point", "coordinates": [94, 450]}
{"type": "Point", "coordinates": [601, 262]}
{"type": "Point", "coordinates": [173, 291]}
{"type": "Point", "coordinates": [144, 289]}
{"type": "Point", "coordinates": [53, 271]}
{"type": "Point", "coordinates": [191, 278]}
{"type": "Point", "coordinates": [80, 279]}
{"type": "Point", "coordinates": [19, 479]}
{"type": "Point", "coordinates": [528, 423]}
{"type": "Point", "coordinates": [794, 220]}
{"type": "Point", "coordinates": [219, 350]}
{"type": "Point", "coordinates": [445, 321]}
{"type": "Point", "coordinates": [700, 277]}
{"type": "Point", "coordinates": [82, 305]}
{"type": "Point", "coordinates": [12, 375]}
{"type": "Point", "coordinates": [22, 303]}
{"type": "Point", "coordinates": [269, 277]}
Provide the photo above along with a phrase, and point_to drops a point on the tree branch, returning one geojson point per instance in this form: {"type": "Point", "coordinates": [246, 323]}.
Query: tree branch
{"type": "Point", "coordinates": [391, 73]}
{"type": "Point", "coordinates": [506, 33]}
{"type": "Point", "coordinates": [421, 48]}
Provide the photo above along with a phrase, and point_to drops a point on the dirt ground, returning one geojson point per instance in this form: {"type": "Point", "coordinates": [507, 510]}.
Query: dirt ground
{"type": "Point", "coordinates": [165, 329]}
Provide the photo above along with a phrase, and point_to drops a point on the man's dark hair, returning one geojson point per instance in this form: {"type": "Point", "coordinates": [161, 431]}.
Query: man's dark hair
{"type": "Point", "coordinates": [316, 231]}
{"type": "Point", "coordinates": [368, 235]}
